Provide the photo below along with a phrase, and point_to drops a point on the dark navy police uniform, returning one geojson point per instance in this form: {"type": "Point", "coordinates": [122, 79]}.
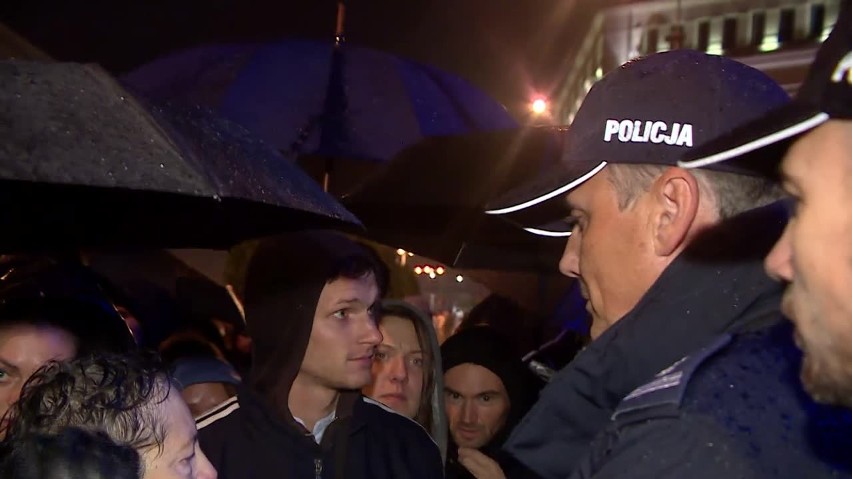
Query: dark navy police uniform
{"type": "Point", "coordinates": [736, 408]}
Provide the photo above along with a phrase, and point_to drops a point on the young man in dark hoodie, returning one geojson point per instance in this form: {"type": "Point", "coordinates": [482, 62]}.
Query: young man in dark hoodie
{"type": "Point", "coordinates": [487, 391]}
{"type": "Point", "coordinates": [309, 304]}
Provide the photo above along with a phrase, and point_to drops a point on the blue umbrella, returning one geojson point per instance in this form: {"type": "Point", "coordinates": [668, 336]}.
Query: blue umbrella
{"type": "Point", "coordinates": [314, 98]}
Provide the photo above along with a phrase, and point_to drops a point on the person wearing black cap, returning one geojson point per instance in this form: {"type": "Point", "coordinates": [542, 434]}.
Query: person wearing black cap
{"type": "Point", "coordinates": [813, 255]}
{"type": "Point", "coordinates": [668, 260]}
{"type": "Point", "coordinates": [631, 214]}
{"type": "Point", "coordinates": [487, 391]}
{"type": "Point", "coordinates": [309, 306]}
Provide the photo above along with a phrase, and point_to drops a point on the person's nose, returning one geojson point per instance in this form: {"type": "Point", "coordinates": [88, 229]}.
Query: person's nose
{"type": "Point", "coordinates": [370, 333]}
{"type": "Point", "coordinates": [204, 469]}
{"type": "Point", "coordinates": [569, 264]}
{"type": "Point", "coordinates": [398, 369]}
{"type": "Point", "coordinates": [779, 261]}
{"type": "Point", "coordinates": [468, 413]}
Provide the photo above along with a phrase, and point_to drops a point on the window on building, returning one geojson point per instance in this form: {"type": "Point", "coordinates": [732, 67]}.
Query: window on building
{"type": "Point", "coordinates": [786, 25]}
{"type": "Point", "coordinates": [758, 28]}
{"type": "Point", "coordinates": [817, 21]}
{"type": "Point", "coordinates": [652, 41]}
{"type": "Point", "coordinates": [729, 34]}
{"type": "Point", "coordinates": [703, 36]}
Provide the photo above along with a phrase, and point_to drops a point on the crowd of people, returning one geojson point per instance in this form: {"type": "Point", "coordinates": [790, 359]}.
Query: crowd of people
{"type": "Point", "coordinates": [709, 229]}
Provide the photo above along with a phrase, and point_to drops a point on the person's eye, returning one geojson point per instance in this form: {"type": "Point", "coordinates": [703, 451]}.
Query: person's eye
{"type": "Point", "coordinates": [3, 375]}
{"type": "Point", "coordinates": [417, 362]}
{"type": "Point", "coordinates": [341, 314]}
{"type": "Point", "coordinates": [486, 398]}
{"type": "Point", "coordinates": [380, 356]}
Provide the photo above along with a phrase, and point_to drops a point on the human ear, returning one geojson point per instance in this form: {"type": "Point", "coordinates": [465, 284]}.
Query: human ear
{"type": "Point", "coordinates": [676, 197]}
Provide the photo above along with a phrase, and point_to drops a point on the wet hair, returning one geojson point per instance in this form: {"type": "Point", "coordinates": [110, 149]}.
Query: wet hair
{"type": "Point", "coordinates": [424, 414]}
{"type": "Point", "coordinates": [71, 453]}
{"type": "Point", "coordinates": [115, 394]}
{"type": "Point", "coordinates": [359, 266]}
{"type": "Point", "coordinates": [733, 193]}
{"type": "Point", "coordinates": [93, 329]}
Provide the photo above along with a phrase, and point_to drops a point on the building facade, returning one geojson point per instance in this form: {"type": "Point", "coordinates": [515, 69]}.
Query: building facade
{"type": "Point", "coordinates": [779, 37]}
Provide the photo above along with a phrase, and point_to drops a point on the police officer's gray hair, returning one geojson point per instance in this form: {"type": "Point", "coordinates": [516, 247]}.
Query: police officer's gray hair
{"type": "Point", "coordinates": [733, 193]}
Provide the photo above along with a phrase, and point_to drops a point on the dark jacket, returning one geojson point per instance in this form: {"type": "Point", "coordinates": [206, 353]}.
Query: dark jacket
{"type": "Point", "coordinates": [486, 347]}
{"type": "Point", "coordinates": [254, 436]}
{"type": "Point", "coordinates": [717, 285]}
{"type": "Point", "coordinates": [735, 409]}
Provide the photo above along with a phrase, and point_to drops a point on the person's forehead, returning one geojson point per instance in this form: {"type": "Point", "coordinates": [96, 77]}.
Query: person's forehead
{"type": "Point", "coordinates": [398, 331]}
{"type": "Point", "coordinates": [813, 152]}
{"type": "Point", "coordinates": [364, 285]}
{"type": "Point", "coordinates": [472, 379]}
{"type": "Point", "coordinates": [581, 196]}
{"type": "Point", "coordinates": [178, 422]}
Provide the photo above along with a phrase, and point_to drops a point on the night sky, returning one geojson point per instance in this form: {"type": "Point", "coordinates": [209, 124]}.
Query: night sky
{"type": "Point", "coordinates": [512, 49]}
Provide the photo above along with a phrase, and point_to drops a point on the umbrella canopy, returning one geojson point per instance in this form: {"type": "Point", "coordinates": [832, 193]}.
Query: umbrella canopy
{"type": "Point", "coordinates": [85, 163]}
{"type": "Point", "coordinates": [431, 199]}
{"type": "Point", "coordinates": [321, 101]}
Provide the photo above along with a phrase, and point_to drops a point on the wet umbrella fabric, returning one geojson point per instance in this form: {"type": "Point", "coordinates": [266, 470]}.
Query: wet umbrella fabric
{"type": "Point", "coordinates": [85, 163]}
{"type": "Point", "coordinates": [311, 99]}
{"type": "Point", "coordinates": [430, 199]}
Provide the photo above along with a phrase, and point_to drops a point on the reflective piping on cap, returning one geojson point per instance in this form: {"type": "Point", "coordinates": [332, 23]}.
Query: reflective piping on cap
{"type": "Point", "coordinates": [753, 145]}
{"type": "Point", "coordinates": [552, 234]}
{"type": "Point", "coordinates": [547, 196]}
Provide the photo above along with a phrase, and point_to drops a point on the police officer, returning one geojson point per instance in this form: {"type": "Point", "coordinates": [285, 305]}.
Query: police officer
{"type": "Point", "coordinates": [736, 407]}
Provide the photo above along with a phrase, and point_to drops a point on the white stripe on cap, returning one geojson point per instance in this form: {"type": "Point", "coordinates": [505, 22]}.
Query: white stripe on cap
{"type": "Point", "coordinates": [552, 234]}
{"type": "Point", "coordinates": [759, 143]}
{"type": "Point", "coordinates": [547, 196]}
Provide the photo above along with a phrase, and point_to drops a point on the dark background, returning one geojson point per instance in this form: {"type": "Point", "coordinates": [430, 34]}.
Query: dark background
{"type": "Point", "coordinates": [513, 49]}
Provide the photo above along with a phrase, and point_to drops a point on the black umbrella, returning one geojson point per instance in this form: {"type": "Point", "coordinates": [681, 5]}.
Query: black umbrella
{"type": "Point", "coordinates": [84, 163]}
{"type": "Point", "coordinates": [430, 199]}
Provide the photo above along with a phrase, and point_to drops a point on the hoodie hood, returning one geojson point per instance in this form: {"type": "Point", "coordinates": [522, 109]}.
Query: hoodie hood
{"type": "Point", "coordinates": [285, 278]}
{"type": "Point", "coordinates": [435, 395]}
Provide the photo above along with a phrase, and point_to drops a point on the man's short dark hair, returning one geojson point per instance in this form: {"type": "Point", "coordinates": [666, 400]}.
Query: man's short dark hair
{"type": "Point", "coordinates": [359, 266]}
{"type": "Point", "coordinates": [71, 453]}
{"type": "Point", "coordinates": [116, 394]}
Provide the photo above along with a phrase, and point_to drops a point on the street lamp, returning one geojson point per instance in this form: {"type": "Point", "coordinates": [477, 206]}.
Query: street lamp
{"type": "Point", "coordinates": [539, 106]}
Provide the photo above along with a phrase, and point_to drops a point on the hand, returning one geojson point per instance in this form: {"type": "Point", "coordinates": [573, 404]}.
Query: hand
{"type": "Point", "coordinates": [480, 465]}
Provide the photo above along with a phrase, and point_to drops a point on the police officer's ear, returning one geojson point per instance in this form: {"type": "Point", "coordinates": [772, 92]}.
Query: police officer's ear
{"type": "Point", "coordinates": [675, 207]}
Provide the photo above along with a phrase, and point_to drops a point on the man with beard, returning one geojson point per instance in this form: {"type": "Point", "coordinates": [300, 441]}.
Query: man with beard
{"type": "Point", "coordinates": [814, 255]}
{"type": "Point", "coordinates": [670, 262]}
{"type": "Point", "coordinates": [487, 391]}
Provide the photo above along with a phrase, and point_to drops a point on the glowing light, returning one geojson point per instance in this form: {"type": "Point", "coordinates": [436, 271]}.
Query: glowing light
{"type": "Point", "coordinates": [400, 252]}
{"type": "Point", "coordinates": [770, 44]}
{"type": "Point", "coordinates": [599, 73]}
{"type": "Point", "coordinates": [459, 278]}
{"type": "Point", "coordinates": [539, 106]}
{"type": "Point", "coordinates": [432, 275]}
{"type": "Point", "coordinates": [440, 270]}
{"type": "Point", "coordinates": [428, 269]}
{"type": "Point", "coordinates": [418, 270]}
{"type": "Point", "coordinates": [714, 49]}
{"type": "Point", "coordinates": [410, 254]}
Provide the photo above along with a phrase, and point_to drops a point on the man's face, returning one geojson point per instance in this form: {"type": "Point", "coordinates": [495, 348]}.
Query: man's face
{"type": "Point", "coordinates": [180, 457]}
{"type": "Point", "coordinates": [608, 251]}
{"type": "Point", "coordinates": [344, 335]}
{"type": "Point", "coordinates": [203, 397]}
{"type": "Point", "coordinates": [815, 256]}
{"type": "Point", "coordinates": [477, 404]}
{"type": "Point", "coordinates": [398, 367]}
{"type": "Point", "coordinates": [23, 350]}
